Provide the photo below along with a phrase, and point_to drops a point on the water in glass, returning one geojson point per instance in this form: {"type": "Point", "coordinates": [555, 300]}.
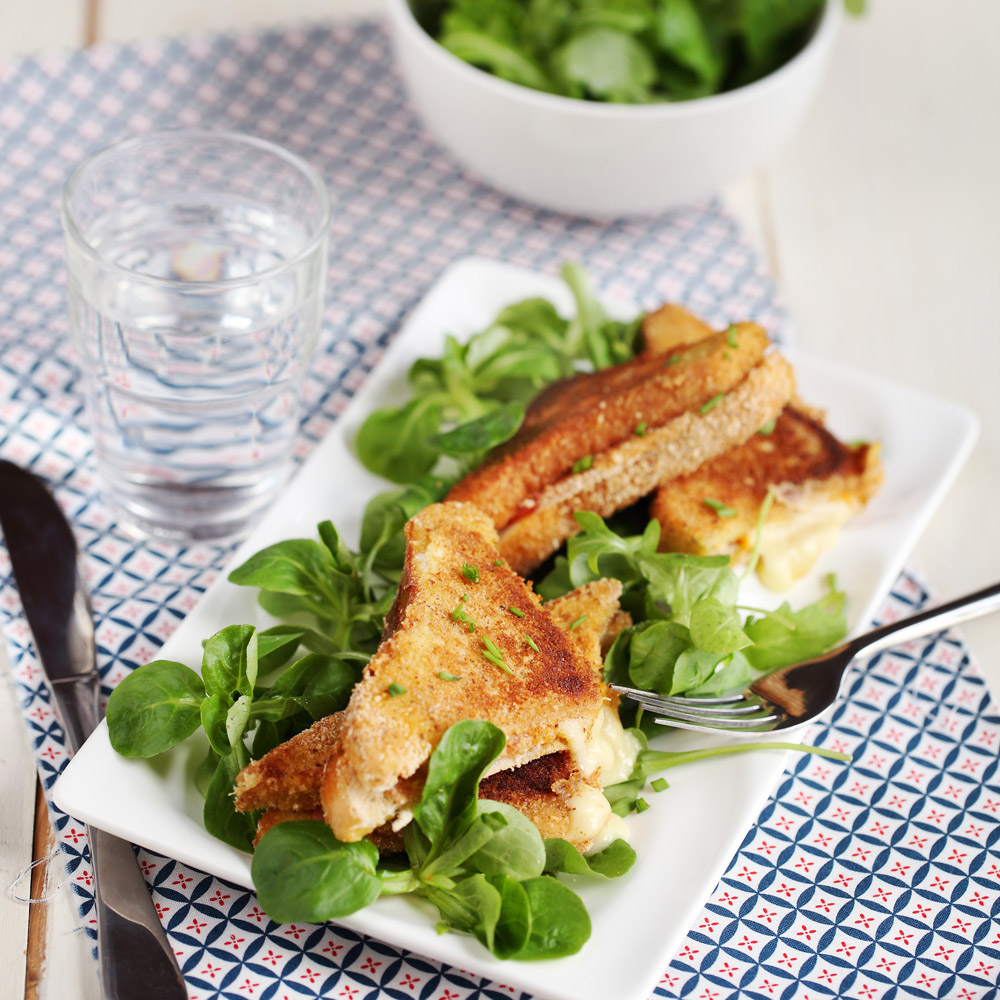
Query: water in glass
{"type": "Point", "coordinates": [195, 317]}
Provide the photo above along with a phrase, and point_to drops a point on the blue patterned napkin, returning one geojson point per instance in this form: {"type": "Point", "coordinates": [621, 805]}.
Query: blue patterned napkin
{"type": "Point", "coordinates": [875, 881]}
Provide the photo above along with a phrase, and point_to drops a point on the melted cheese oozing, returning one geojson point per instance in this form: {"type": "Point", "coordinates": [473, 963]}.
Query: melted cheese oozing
{"type": "Point", "coordinates": [591, 819]}
{"type": "Point", "coordinates": [789, 549]}
{"type": "Point", "coordinates": [614, 751]}
{"type": "Point", "coordinates": [572, 731]}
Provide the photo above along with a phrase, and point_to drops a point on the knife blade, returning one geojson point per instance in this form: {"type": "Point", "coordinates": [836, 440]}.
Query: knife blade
{"type": "Point", "coordinates": [135, 959]}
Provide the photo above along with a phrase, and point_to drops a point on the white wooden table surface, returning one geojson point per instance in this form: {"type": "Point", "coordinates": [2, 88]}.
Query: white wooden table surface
{"type": "Point", "coordinates": [881, 223]}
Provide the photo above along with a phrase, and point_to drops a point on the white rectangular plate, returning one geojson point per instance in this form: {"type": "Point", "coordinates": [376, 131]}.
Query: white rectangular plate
{"type": "Point", "coordinates": [686, 840]}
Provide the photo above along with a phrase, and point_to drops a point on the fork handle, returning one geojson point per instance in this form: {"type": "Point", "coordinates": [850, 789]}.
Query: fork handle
{"type": "Point", "coordinates": [962, 609]}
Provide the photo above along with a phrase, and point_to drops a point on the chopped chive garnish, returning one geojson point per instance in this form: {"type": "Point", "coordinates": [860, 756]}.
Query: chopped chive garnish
{"type": "Point", "coordinates": [516, 611]}
{"type": "Point", "coordinates": [445, 676]}
{"type": "Point", "coordinates": [641, 805]}
{"type": "Point", "coordinates": [497, 562]}
{"type": "Point", "coordinates": [493, 654]}
{"type": "Point", "coordinates": [531, 642]}
{"type": "Point", "coordinates": [856, 443]}
{"type": "Point", "coordinates": [582, 464]}
{"type": "Point", "coordinates": [676, 359]}
{"type": "Point", "coordinates": [470, 573]}
{"type": "Point", "coordinates": [659, 785]}
{"type": "Point", "coordinates": [714, 401]}
{"type": "Point", "coordinates": [577, 623]}
{"type": "Point", "coordinates": [727, 355]}
{"type": "Point", "coordinates": [394, 690]}
{"type": "Point", "coordinates": [640, 429]}
{"type": "Point", "coordinates": [768, 428]}
{"type": "Point", "coordinates": [765, 509]}
{"type": "Point", "coordinates": [719, 507]}
{"type": "Point", "coordinates": [459, 614]}
{"type": "Point", "coordinates": [731, 337]}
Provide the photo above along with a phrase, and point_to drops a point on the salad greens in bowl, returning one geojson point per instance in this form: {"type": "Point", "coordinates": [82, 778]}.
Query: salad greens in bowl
{"type": "Point", "coordinates": [612, 109]}
{"type": "Point", "coordinates": [626, 51]}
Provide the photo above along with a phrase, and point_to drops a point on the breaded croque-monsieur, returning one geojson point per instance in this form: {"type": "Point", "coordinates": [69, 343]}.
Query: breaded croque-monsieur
{"type": "Point", "coordinates": [551, 790]}
{"type": "Point", "coordinates": [601, 441]}
{"type": "Point", "coordinates": [817, 481]}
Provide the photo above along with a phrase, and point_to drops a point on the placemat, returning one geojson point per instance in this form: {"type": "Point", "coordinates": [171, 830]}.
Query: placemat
{"type": "Point", "coordinates": [874, 881]}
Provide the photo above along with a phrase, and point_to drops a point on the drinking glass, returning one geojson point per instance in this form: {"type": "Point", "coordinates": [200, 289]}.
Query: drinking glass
{"type": "Point", "coordinates": [196, 262]}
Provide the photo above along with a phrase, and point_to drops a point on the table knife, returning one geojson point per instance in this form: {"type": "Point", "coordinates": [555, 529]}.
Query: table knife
{"type": "Point", "coordinates": [134, 956]}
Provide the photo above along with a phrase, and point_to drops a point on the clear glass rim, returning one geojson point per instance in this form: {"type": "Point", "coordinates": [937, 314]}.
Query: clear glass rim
{"type": "Point", "coordinates": [318, 232]}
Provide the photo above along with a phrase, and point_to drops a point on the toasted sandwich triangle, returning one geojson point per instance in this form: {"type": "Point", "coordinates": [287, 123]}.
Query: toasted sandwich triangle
{"type": "Point", "coordinates": [461, 613]}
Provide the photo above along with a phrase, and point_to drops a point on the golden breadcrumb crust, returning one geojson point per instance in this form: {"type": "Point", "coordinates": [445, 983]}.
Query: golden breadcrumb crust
{"type": "Point", "coordinates": [800, 460]}
{"type": "Point", "coordinates": [625, 473]}
{"type": "Point", "coordinates": [591, 413]}
{"type": "Point", "coordinates": [529, 694]}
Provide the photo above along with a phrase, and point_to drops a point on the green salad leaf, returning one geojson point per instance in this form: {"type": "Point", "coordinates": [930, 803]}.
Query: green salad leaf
{"type": "Point", "coordinates": [154, 708]}
{"type": "Point", "coordinates": [626, 51]}
{"type": "Point", "coordinates": [480, 863]}
{"type": "Point", "coordinates": [302, 872]}
{"type": "Point", "coordinates": [687, 636]}
{"type": "Point", "coordinates": [473, 398]}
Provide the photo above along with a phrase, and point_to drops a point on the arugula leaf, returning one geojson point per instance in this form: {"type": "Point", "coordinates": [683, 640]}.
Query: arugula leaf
{"type": "Point", "coordinates": [653, 655]}
{"type": "Point", "coordinates": [213, 720]}
{"type": "Point", "coordinates": [472, 905]}
{"type": "Point", "coordinates": [606, 341]}
{"type": "Point", "coordinates": [303, 873]}
{"type": "Point", "coordinates": [607, 64]}
{"type": "Point", "coordinates": [382, 548]}
{"type": "Point", "coordinates": [154, 708]}
{"type": "Point", "coordinates": [515, 849]}
{"type": "Point", "coordinates": [297, 566]}
{"type": "Point", "coordinates": [326, 580]}
{"type": "Point", "coordinates": [475, 437]}
{"type": "Point", "coordinates": [277, 645]}
{"type": "Point", "coordinates": [685, 38]}
{"type": "Point", "coordinates": [448, 803]}
{"type": "Point", "coordinates": [815, 628]}
{"type": "Point", "coordinates": [395, 442]}
{"type": "Point", "coordinates": [560, 924]}
{"type": "Point", "coordinates": [220, 815]}
{"type": "Point", "coordinates": [514, 922]}
{"type": "Point", "coordinates": [502, 60]}
{"type": "Point", "coordinates": [715, 627]}
{"type": "Point", "coordinates": [229, 664]}
{"type": "Point", "coordinates": [612, 862]}
{"type": "Point", "coordinates": [318, 684]}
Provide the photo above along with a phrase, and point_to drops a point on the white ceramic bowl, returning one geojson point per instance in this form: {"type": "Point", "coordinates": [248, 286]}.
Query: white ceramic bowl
{"type": "Point", "coordinates": [603, 160]}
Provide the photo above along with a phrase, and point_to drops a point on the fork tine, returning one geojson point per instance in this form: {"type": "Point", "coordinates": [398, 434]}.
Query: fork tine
{"type": "Point", "coordinates": [710, 728]}
{"type": "Point", "coordinates": [734, 715]}
{"type": "Point", "coordinates": [729, 721]}
{"type": "Point", "coordinates": [686, 720]}
{"type": "Point", "coordinates": [655, 704]}
{"type": "Point", "coordinates": [729, 699]}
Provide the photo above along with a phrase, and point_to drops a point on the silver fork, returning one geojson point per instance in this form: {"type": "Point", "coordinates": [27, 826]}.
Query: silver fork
{"type": "Point", "coordinates": [800, 693]}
